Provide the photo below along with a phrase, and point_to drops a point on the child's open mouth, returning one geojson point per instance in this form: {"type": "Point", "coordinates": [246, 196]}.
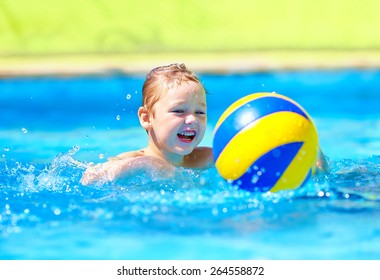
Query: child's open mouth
{"type": "Point", "coordinates": [187, 136]}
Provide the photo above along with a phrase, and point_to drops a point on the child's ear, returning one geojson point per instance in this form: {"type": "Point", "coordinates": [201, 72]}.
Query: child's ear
{"type": "Point", "coordinates": [144, 118]}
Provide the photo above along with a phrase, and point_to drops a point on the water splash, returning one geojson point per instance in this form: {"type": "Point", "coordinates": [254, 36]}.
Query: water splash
{"type": "Point", "coordinates": [191, 201]}
{"type": "Point", "coordinates": [357, 178]}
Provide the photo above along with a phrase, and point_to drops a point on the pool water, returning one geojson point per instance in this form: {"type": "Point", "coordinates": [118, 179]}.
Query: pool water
{"type": "Point", "coordinates": [52, 128]}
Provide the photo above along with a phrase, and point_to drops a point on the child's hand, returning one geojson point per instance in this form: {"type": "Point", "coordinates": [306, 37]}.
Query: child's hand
{"type": "Point", "coordinates": [99, 172]}
{"type": "Point", "coordinates": [124, 167]}
{"type": "Point", "coordinates": [323, 166]}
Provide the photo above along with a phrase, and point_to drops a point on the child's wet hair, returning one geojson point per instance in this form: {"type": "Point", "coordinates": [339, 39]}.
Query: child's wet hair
{"type": "Point", "coordinates": [162, 78]}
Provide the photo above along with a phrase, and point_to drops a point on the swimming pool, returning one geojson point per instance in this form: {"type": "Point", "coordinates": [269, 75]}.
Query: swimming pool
{"type": "Point", "coordinates": [52, 127]}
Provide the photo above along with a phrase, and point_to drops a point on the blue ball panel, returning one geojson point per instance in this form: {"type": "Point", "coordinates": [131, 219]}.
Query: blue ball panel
{"type": "Point", "coordinates": [271, 165]}
{"type": "Point", "coordinates": [245, 115]}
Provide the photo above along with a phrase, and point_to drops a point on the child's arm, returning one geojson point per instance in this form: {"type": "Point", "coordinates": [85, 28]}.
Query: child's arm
{"type": "Point", "coordinates": [107, 171]}
{"type": "Point", "coordinates": [124, 166]}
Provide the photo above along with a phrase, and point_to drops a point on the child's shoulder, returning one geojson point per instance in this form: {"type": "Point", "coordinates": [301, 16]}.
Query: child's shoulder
{"type": "Point", "coordinates": [200, 157]}
{"type": "Point", "coordinates": [132, 154]}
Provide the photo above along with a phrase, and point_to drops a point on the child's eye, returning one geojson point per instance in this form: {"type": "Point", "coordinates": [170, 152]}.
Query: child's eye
{"type": "Point", "coordinates": [178, 111]}
{"type": "Point", "coordinates": [200, 112]}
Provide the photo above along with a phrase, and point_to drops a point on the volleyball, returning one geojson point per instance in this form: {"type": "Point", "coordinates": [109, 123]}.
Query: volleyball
{"type": "Point", "coordinates": [265, 142]}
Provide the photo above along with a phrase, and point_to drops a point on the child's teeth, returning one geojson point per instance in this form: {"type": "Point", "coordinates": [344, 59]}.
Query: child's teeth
{"type": "Point", "coordinates": [187, 133]}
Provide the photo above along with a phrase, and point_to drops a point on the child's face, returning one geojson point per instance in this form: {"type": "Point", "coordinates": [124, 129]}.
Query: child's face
{"type": "Point", "coordinates": [179, 120]}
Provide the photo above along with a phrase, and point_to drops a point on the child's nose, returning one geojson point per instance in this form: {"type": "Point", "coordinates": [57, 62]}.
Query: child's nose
{"type": "Point", "coordinates": [190, 118]}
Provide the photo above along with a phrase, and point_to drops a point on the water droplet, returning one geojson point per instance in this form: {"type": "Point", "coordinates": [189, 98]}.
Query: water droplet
{"type": "Point", "coordinates": [24, 130]}
{"type": "Point", "coordinates": [101, 156]}
{"type": "Point", "coordinates": [57, 211]}
{"type": "Point", "coordinates": [128, 96]}
{"type": "Point", "coordinates": [118, 117]}
{"type": "Point", "coordinates": [202, 181]}
{"type": "Point", "coordinates": [215, 211]}
{"type": "Point", "coordinates": [276, 153]}
{"type": "Point", "coordinates": [6, 149]}
{"type": "Point", "coordinates": [254, 179]}
{"type": "Point", "coordinates": [74, 149]}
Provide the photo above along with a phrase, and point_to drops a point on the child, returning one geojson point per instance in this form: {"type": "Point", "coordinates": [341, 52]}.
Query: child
{"type": "Point", "coordinates": [174, 114]}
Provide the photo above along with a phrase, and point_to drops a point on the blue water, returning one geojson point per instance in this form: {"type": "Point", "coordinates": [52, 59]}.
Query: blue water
{"type": "Point", "coordinates": [52, 128]}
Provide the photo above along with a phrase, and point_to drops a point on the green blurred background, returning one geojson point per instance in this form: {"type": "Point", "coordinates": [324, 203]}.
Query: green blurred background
{"type": "Point", "coordinates": [142, 28]}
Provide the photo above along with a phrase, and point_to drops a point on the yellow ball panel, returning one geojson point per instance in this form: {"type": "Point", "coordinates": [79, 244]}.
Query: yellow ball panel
{"type": "Point", "coordinates": [298, 169]}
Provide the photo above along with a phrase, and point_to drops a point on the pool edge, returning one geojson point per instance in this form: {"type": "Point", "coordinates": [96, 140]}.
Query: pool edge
{"type": "Point", "coordinates": [200, 62]}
